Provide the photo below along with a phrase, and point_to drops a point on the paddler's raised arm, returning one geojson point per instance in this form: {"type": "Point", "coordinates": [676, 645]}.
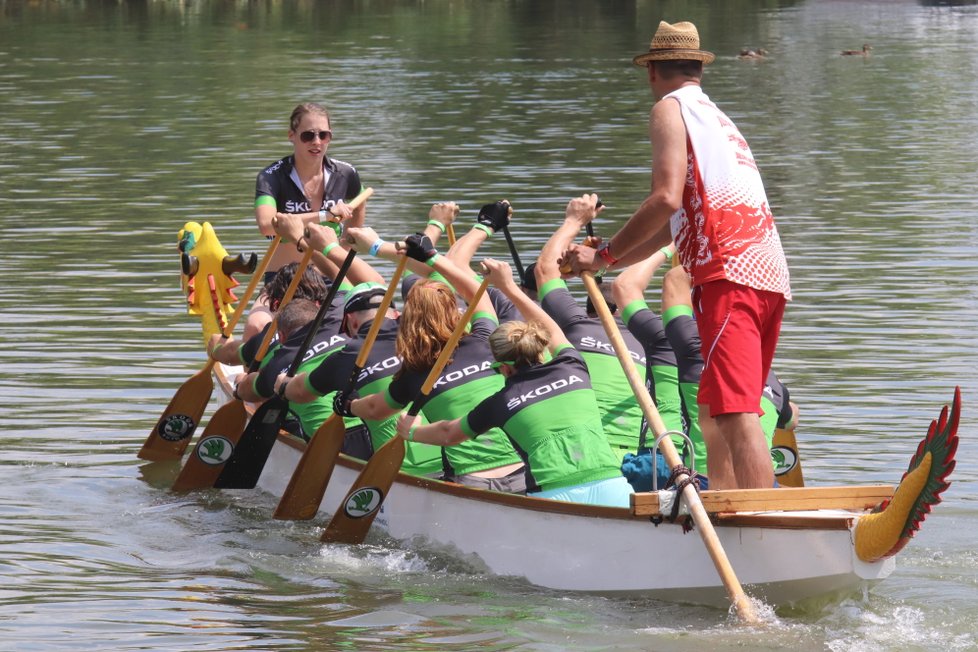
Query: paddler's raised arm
{"type": "Point", "coordinates": [418, 247]}
{"type": "Point", "coordinates": [492, 218]}
{"type": "Point", "coordinates": [500, 275]}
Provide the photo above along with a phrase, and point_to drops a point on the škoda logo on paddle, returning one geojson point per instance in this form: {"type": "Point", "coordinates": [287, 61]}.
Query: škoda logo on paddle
{"type": "Point", "coordinates": [176, 427]}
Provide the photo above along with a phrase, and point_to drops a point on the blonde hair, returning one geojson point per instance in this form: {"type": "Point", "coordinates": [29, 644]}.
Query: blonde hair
{"type": "Point", "coordinates": [519, 343]}
{"type": "Point", "coordinates": [429, 317]}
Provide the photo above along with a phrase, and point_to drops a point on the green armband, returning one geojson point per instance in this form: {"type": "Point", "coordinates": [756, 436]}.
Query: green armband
{"type": "Point", "coordinates": [328, 248]}
{"type": "Point", "coordinates": [437, 224]}
{"type": "Point", "coordinates": [485, 229]}
{"type": "Point", "coordinates": [431, 261]}
{"type": "Point", "coordinates": [665, 252]}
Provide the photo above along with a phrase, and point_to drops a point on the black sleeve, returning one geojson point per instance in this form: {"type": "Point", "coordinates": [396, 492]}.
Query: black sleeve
{"type": "Point", "coordinates": [647, 328]}
{"type": "Point", "coordinates": [563, 308]}
{"type": "Point", "coordinates": [482, 328]}
{"type": "Point", "coordinates": [333, 374]}
{"type": "Point", "coordinates": [267, 184]}
{"type": "Point", "coordinates": [354, 186]}
{"type": "Point", "coordinates": [249, 349]}
{"type": "Point", "coordinates": [405, 387]}
{"type": "Point", "coordinates": [280, 360]}
{"type": "Point", "coordinates": [485, 416]}
{"type": "Point", "coordinates": [505, 310]}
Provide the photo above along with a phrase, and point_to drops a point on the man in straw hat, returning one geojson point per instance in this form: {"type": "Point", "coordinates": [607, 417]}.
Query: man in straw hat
{"type": "Point", "coordinates": [707, 196]}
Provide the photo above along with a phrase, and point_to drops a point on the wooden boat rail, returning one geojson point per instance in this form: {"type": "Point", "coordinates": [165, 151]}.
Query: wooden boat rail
{"type": "Point", "coordinates": [859, 498]}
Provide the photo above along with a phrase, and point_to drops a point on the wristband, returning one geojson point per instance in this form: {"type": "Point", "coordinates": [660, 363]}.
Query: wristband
{"type": "Point", "coordinates": [328, 248]}
{"type": "Point", "coordinates": [605, 252]}
{"type": "Point", "coordinates": [437, 224]}
{"type": "Point", "coordinates": [665, 252]}
{"type": "Point", "coordinates": [322, 214]}
{"type": "Point", "coordinates": [431, 261]}
{"type": "Point", "coordinates": [485, 229]}
{"type": "Point", "coordinates": [375, 247]}
{"type": "Point", "coordinates": [410, 436]}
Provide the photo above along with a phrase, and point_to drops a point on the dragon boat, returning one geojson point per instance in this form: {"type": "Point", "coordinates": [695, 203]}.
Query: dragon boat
{"type": "Point", "coordinates": [786, 545]}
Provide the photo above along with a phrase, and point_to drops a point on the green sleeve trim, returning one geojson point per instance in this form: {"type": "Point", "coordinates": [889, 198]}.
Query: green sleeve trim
{"type": "Point", "coordinates": [435, 276]}
{"type": "Point", "coordinates": [466, 429]}
{"type": "Point", "coordinates": [254, 388]}
{"type": "Point", "coordinates": [485, 315]}
{"type": "Point", "coordinates": [389, 400]}
{"type": "Point", "coordinates": [346, 285]}
{"type": "Point", "coordinates": [632, 308]}
{"type": "Point", "coordinates": [550, 286]}
{"type": "Point", "coordinates": [561, 347]}
{"type": "Point", "coordinates": [265, 200]}
{"type": "Point", "coordinates": [676, 311]}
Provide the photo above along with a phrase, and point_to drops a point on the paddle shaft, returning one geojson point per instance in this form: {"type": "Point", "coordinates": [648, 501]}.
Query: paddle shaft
{"type": "Point", "coordinates": [742, 604]}
{"type": "Point", "coordinates": [379, 473]}
{"type": "Point", "coordinates": [307, 486]}
{"type": "Point", "coordinates": [450, 231]}
{"type": "Point", "coordinates": [516, 256]}
{"type": "Point", "coordinates": [255, 278]}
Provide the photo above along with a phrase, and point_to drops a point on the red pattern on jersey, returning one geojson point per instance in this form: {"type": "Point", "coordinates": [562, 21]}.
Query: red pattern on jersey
{"type": "Point", "coordinates": [724, 238]}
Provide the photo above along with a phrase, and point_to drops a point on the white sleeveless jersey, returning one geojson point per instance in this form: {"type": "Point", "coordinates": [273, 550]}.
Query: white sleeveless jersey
{"type": "Point", "coordinates": [724, 229]}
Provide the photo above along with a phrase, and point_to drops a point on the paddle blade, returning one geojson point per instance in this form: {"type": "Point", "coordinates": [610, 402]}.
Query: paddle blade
{"type": "Point", "coordinates": [309, 480]}
{"type": "Point", "coordinates": [787, 462]}
{"type": "Point", "coordinates": [245, 465]}
{"type": "Point", "coordinates": [214, 448]}
{"type": "Point", "coordinates": [352, 520]}
{"type": "Point", "coordinates": [175, 427]}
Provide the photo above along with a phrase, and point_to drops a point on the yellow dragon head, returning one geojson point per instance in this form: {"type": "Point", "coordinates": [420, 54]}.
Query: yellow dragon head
{"type": "Point", "coordinates": [204, 259]}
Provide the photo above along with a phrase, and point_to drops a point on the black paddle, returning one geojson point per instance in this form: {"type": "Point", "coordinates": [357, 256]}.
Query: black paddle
{"type": "Point", "coordinates": [244, 467]}
{"type": "Point", "coordinates": [516, 257]}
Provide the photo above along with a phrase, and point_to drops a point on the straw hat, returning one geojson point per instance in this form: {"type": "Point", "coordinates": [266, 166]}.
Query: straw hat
{"type": "Point", "coordinates": [675, 42]}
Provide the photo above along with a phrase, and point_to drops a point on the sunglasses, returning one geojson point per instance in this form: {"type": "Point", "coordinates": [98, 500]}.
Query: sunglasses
{"type": "Point", "coordinates": [308, 136]}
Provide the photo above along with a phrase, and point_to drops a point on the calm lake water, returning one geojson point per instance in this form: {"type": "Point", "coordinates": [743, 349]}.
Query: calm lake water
{"type": "Point", "coordinates": [121, 121]}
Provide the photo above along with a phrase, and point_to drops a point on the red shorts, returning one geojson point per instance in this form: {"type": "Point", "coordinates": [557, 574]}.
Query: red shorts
{"type": "Point", "coordinates": [739, 328]}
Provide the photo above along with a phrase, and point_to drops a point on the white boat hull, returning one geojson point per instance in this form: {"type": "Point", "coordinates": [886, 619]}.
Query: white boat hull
{"type": "Point", "coordinates": [780, 557]}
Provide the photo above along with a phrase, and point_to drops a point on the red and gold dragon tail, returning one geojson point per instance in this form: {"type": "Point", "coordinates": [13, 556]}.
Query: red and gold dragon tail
{"type": "Point", "coordinates": [891, 525]}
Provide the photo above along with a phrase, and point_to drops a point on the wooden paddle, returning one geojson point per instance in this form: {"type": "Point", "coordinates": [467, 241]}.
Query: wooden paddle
{"type": "Point", "coordinates": [228, 423]}
{"type": "Point", "coordinates": [175, 427]}
{"type": "Point", "coordinates": [742, 604]}
{"type": "Point", "coordinates": [352, 520]}
{"type": "Point", "coordinates": [245, 465]}
{"type": "Point", "coordinates": [450, 230]}
{"type": "Point", "coordinates": [784, 449]}
{"type": "Point", "coordinates": [311, 476]}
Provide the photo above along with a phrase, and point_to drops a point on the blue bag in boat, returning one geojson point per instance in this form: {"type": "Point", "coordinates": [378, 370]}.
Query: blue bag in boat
{"type": "Point", "coordinates": [637, 469]}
